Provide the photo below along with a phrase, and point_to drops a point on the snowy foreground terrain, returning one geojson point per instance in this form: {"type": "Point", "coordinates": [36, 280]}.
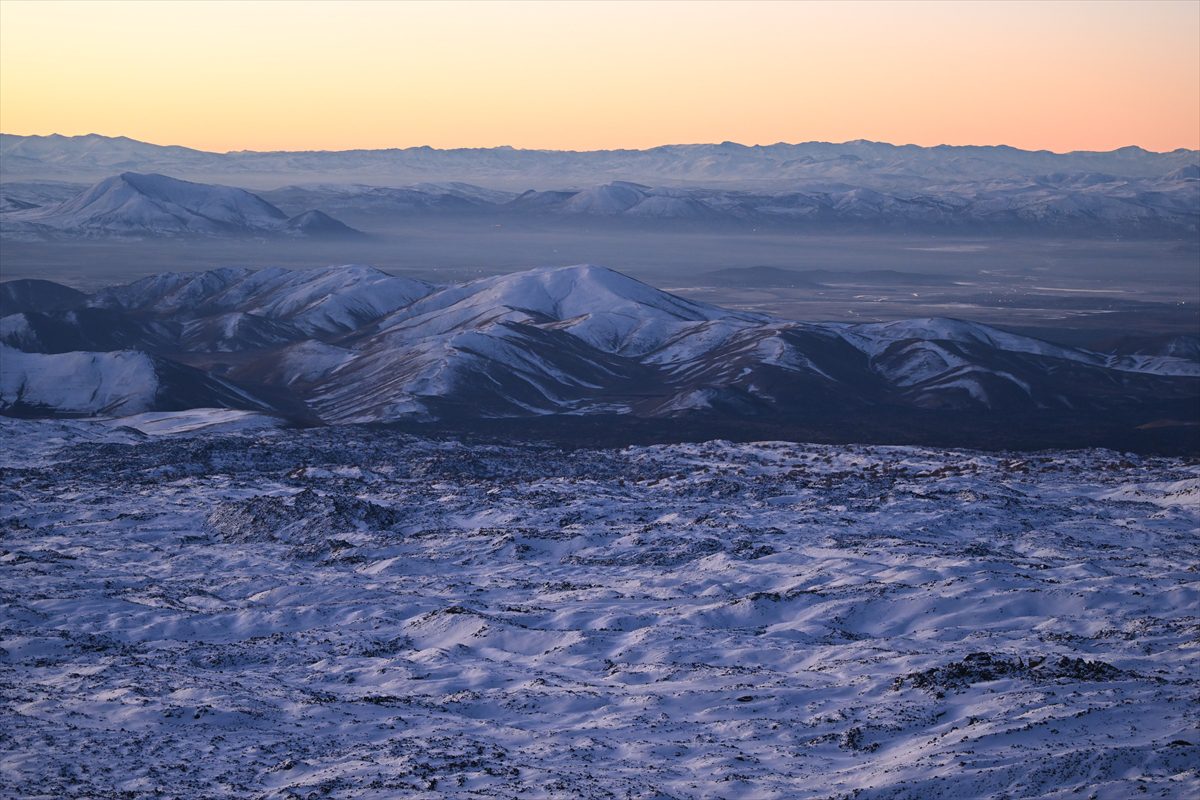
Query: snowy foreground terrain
{"type": "Point", "coordinates": [205, 605]}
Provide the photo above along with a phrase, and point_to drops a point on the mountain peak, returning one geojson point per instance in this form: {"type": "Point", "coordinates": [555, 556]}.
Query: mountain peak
{"type": "Point", "coordinates": [577, 289]}
{"type": "Point", "coordinates": [319, 224]}
{"type": "Point", "coordinates": [150, 204]}
{"type": "Point", "coordinates": [353, 344]}
{"type": "Point", "coordinates": [319, 301]}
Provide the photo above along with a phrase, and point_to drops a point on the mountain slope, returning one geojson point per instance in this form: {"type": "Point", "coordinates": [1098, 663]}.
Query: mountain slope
{"type": "Point", "coordinates": [352, 344]}
{"type": "Point", "coordinates": [132, 204]}
{"type": "Point", "coordinates": [31, 294]}
{"type": "Point", "coordinates": [318, 302]}
{"type": "Point", "coordinates": [610, 311]}
{"type": "Point", "coordinates": [115, 383]}
{"type": "Point", "coordinates": [318, 224]}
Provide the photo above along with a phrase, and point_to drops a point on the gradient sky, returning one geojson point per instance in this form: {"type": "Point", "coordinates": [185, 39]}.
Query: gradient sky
{"type": "Point", "coordinates": [315, 75]}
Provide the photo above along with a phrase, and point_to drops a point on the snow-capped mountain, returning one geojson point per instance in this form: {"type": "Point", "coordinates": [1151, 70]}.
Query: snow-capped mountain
{"type": "Point", "coordinates": [319, 224]}
{"type": "Point", "coordinates": [1066, 202]}
{"type": "Point", "coordinates": [316, 302]}
{"type": "Point", "coordinates": [1080, 202]}
{"type": "Point", "coordinates": [814, 183]}
{"type": "Point", "coordinates": [353, 344]}
{"type": "Point", "coordinates": [875, 165]}
{"type": "Point", "coordinates": [132, 204]}
{"type": "Point", "coordinates": [611, 198]}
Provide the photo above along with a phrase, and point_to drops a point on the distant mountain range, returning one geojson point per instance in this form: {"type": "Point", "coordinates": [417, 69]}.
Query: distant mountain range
{"type": "Point", "coordinates": [876, 165]}
{"type": "Point", "coordinates": [353, 344]}
{"type": "Point", "coordinates": [814, 184]}
{"type": "Point", "coordinates": [153, 205]}
{"type": "Point", "coordinates": [132, 204]}
{"type": "Point", "coordinates": [1059, 202]}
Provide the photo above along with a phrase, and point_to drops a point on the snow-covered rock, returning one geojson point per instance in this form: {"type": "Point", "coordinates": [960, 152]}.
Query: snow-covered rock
{"type": "Point", "coordinates": [359, 613]}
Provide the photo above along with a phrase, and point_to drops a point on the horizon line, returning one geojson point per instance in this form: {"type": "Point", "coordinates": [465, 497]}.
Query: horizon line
{"type": "Point", "coordinates": [600, 150]}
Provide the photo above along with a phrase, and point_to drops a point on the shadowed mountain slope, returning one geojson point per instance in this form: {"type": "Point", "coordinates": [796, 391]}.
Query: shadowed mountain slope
{"type": "Point", "coordinates": [353, 344]}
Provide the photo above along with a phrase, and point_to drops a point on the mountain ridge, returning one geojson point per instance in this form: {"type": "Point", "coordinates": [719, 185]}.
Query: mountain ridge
{"type": "Point", "coordinates": [141, 204]}
{"type": "Point", "coordinates": [352, 344]}
{"type": "Point", "coordinates": [1063, 202]}
{"type": "Point", "coordinates": [871, 164]}
{"type": "Point", "coordinates": [95, 137]}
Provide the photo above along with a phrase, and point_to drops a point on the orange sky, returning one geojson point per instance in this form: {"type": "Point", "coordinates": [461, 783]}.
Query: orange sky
{"type": "Point", "coordinates": [314, 75]}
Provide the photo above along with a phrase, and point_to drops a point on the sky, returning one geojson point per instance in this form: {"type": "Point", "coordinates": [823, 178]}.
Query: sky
{"type": "Point", "coordinates": [598, 75]}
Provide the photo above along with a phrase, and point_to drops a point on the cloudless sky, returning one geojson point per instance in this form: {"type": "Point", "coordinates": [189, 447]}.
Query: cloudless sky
{"type": "Point", "coordinates": [592, 75]}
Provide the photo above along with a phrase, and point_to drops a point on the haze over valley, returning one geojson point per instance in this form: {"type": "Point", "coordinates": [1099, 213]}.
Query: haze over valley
{"type": "Point", "coordinates": [1086, 248]}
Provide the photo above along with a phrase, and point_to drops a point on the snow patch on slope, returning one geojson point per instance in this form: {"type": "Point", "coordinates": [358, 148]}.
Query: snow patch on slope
{"type": "Point", "coordinates": [606, 309]}
{"type": "Point", "coordinates": [122, 382]}
{"type": "Point", "coordinates": [196, 420]}
{"type": "Point", "coordinates": [319, 301]}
